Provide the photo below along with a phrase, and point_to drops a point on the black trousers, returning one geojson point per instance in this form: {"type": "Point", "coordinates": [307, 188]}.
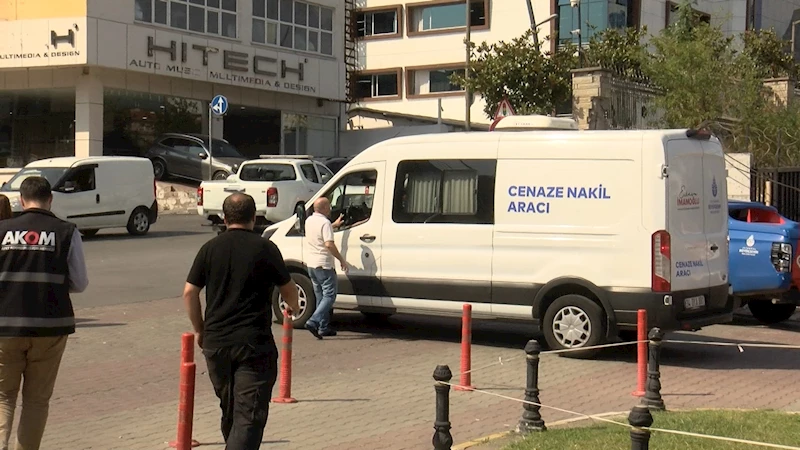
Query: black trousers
{"type": "Point", "coordinates": [243, 377]}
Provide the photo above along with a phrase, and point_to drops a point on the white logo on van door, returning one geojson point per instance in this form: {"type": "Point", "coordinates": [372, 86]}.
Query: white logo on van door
{"type": "Point", "coordinates": [29, 240]}
{"type": "Point", "coordinates": [749, 250]}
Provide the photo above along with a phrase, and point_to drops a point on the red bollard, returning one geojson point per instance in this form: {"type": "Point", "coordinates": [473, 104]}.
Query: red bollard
{"type": "Point", "coordinates": [187, 357]}
{"type": "Point", "coordinates": [641, 336]}
{"type": "Point", "coordinates": [187, 347]}
{"type": "Point", "coordinates": [466, 350]}
{"type": "Point", "coordinates": [285, 389]}
{"type": "Point", "coordinates": [186, 408]}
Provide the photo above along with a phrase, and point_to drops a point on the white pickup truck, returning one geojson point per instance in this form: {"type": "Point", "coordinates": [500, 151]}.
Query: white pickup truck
{"type": "Point", "coordinates": [277, 183]}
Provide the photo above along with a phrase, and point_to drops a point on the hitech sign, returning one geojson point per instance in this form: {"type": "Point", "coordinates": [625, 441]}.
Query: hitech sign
{"type": "Point", "coordinates": [238, 68]}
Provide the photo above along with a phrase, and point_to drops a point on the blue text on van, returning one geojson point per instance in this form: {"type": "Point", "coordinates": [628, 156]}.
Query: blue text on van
{"type": "Point", "coordinates": [594, 193]}
{"type": "Point", "coordinates": [684, 268]}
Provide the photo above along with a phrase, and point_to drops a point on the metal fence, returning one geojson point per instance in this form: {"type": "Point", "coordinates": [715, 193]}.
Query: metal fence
{"type": "Point", "coordinates": [632, 105]}
{"type": "Point", "coordinates": [779, 187]}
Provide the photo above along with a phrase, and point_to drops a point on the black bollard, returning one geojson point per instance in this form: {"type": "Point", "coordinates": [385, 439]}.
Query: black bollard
{"type": "Point", "coordinates": [652, 394]}
{"type": "Point", "coordinates": [531, 417]}
{"type": "Point", "coordinates": [640, 417]}
{"type": "Point", "coordinates": [442, 439]}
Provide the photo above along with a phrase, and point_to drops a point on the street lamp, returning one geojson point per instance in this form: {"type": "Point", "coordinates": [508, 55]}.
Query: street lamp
{"type": "Point", "coordinates": [467, 102]}
{"type": "Point", "coordinates": [794, 31]}
{"type": "Point", "coordinates": [577, 31]}
{"type": "Point", "coordinates": [535, 27]}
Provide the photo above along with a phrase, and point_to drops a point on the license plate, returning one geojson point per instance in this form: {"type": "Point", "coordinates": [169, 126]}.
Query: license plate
{"type": "Point", "coordinates": [694, 302]}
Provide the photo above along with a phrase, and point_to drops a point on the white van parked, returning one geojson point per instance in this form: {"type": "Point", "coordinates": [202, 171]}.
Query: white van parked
{"type": "Point", "coordinates": [570, 231]}
{"type": "Point", "coordinates": [95, 192]}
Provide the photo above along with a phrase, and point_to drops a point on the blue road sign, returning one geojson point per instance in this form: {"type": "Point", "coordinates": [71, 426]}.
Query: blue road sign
{"type": "Point", "coordinates": [219, 105]}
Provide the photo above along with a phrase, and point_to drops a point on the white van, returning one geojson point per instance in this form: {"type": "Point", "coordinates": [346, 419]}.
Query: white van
{"type": "Point", "coordinates": [570, 231]}
{"type": "Point", "coordinates": [95, 192]}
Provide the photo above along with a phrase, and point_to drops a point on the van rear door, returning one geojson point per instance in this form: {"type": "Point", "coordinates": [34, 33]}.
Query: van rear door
{"type": "Point", "coordinates": [686, 213]}
{"type": "Point", "coordinates": [715, 208]}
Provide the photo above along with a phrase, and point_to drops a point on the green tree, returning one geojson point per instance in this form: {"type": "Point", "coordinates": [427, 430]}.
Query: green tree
{"type": "Point", "coordinates": [534, 82]}
{"type": "Point", "coordinates": [769, 53]}
{"type": "Point", "coordinates": [691, 63]}
{"type": "Point", "coordinates": [621, 51]}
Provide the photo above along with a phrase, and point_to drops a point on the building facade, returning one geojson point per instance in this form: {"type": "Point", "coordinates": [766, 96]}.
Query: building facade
{"type": "Point", "coordinates": [407, 51]}
{"type": "Point", "coordinates": [94, 77]}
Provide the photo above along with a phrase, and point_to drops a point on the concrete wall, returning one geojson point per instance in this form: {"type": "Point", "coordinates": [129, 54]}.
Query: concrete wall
{"type": "Point", "coordinates": [738, 166]}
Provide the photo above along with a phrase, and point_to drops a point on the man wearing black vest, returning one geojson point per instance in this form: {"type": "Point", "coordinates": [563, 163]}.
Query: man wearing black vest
{"type": "Point", "coordinates": [41, 262]}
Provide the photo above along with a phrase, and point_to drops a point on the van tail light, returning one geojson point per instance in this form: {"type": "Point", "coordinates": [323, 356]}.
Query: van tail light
{"type": "Point", "coordinates": [272, 197]}
{"type": "Point", "coordinates": [200, 196]}
{"type": "Point", "coordinates": [662, 265]}
{"type": "Point", "coordinates": [781, 256]}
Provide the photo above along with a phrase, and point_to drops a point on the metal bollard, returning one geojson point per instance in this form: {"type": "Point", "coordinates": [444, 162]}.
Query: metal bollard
{"type": "Point", "coordinates": [531, 417]}
{"type": "Point", "coordinates": [652, 396]}
{"type": "Point", "coordinates": [640, 417]}
{"type": "Point", "coordinates": [442, 439]}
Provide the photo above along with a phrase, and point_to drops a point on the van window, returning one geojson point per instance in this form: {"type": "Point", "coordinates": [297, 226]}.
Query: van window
{"type": "Point", "coordinates": [352, 197]}
{"type": "Point", "coordinates": [81, 179]}
{"type": "Point", "coordinates": [268, 172]}
{"type": "Point", "coordinates": [445, 191]}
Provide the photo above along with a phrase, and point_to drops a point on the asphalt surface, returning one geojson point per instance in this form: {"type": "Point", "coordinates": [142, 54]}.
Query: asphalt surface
{"type": "Point", "coordinates": [128, 269]}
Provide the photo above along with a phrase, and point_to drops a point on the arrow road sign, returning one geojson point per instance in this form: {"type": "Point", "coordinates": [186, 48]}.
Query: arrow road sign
{"type": "Point", "coordinates": [219, 106]}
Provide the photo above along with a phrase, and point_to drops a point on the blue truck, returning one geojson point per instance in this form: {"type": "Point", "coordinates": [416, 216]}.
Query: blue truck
{"type": "Point", "coordinates": [764, 262]}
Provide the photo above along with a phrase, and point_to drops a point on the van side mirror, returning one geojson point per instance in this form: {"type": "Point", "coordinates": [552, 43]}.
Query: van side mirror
{"type": "Point", "coordinates": [300, 212]}
{"type": "Point", "coordinates": [69, 186]}
{"type": "Point", "coordinates": [325, 178]}
{"type": "Point", "coordinates": [202, 155]}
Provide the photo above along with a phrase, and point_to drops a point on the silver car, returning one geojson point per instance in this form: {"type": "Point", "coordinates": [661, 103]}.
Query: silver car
{"type": "Point", "coordinates": [188, 156]}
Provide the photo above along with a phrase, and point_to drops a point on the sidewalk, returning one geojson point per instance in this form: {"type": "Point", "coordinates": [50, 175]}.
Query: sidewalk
{"type": "Point", "coordinates": [371, 387]}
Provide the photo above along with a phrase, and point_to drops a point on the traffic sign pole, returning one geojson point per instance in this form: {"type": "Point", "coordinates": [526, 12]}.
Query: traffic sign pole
{"type": "Point", "coordinates": [218, 107]}
{"type": "Point", "coordinates": [210, 152]}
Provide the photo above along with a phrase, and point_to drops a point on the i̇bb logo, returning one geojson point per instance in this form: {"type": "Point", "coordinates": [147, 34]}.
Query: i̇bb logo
{"type": "Point", "coordinates": [30, 238]}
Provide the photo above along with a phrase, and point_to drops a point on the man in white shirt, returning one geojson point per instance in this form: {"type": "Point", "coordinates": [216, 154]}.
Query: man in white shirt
{"type": "Point", "coordinates": [322, 251]}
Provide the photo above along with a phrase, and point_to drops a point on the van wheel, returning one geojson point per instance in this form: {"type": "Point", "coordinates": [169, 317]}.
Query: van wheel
{"type": "Point", "coordinates": [220, 175]}
{"type": "Point", "coordinates": [89, 233]}
{"type": "Point", "coordinates": [574, 321]}
{"type": "Point", "coordinates": [769, 313]}
{"type": "Point", "coordinates": [159, 169]}
{"type": "Point", "coordinates": [139, 222]}
{"type": "Point", "coordinates": [306, 299]}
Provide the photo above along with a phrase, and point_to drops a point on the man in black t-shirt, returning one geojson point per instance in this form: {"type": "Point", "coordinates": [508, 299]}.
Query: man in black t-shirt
{"type": "Point", "coordinates": [239, 269]}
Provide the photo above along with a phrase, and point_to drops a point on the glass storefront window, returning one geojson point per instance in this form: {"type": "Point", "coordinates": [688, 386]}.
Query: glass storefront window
{"type": "Point", "coordinates": [133, 120]}
{"type": "Point", "coordinates": [36, 124]}
{"type": "Point", "coordinates": [309, 135]}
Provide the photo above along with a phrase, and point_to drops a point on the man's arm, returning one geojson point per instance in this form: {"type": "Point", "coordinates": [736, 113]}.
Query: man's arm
{"type": "Point", "coordinates": [331, 246]}
{"type": "Point", "coordinates": [289, 295]}
{"type": "Point", "coordinates": [282, 278]}
{"type": "Point", "coordinates": [191, 300]}
{"type": "Point", "coordinates": [78, 278]}
{"type": "Point", "coordinates": [195, 283]}
{"type": "Point", "coordinates": [327, 237]}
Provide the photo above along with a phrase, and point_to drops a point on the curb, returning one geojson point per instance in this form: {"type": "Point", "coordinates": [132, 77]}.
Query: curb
{"type": "Point", "coordinates": [493, 437]}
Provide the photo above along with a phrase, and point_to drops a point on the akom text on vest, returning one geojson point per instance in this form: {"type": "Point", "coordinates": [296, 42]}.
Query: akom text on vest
{"type": "Point", "coordinates": [32, 240]}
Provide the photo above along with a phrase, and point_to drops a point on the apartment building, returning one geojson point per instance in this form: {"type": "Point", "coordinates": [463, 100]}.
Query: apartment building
{"type": "Point", "coordinates": [407, 51]}
{"type": "Point", "coordinates": [93, 77]}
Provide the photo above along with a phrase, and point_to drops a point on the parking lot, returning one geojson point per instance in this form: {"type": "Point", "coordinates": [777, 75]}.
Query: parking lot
{"type": "Point", "coordinates": [370, 387]}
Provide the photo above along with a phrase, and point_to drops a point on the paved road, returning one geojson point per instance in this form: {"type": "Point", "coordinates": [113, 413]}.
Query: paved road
{"type": "Point", "coordinates": [129, 269]}
{"type": "Point", "coordinates": [368, 388]}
